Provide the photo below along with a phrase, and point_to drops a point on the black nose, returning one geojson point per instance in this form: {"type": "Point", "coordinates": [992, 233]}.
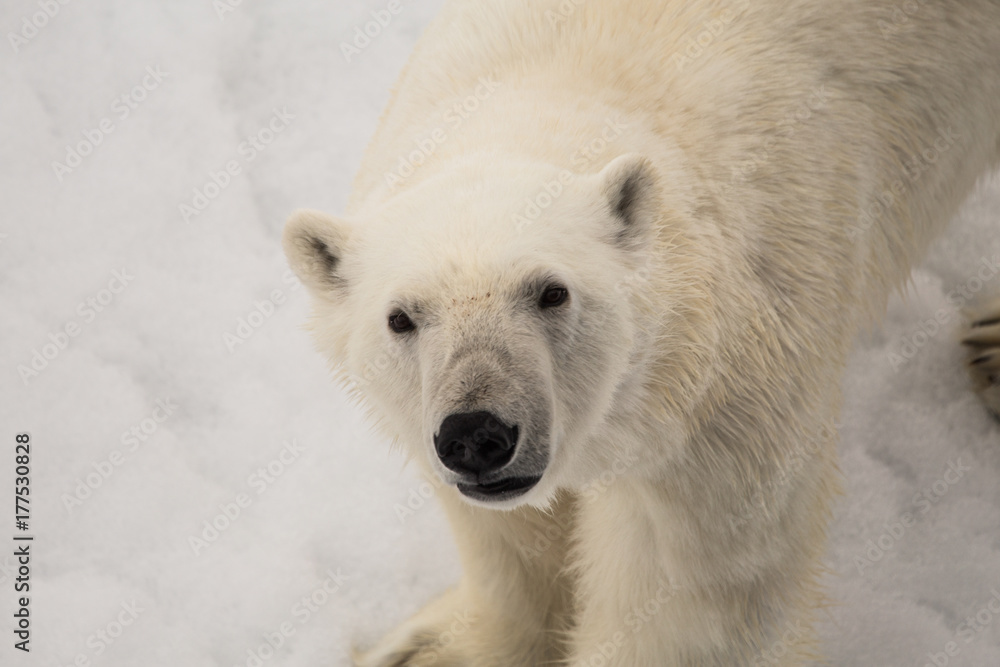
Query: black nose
{"type": "Point", "coordinates": [475, 442]}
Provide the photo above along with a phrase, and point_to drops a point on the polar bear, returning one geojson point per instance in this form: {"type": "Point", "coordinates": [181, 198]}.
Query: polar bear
{"type": "Point", "coordinates": [599, 275]}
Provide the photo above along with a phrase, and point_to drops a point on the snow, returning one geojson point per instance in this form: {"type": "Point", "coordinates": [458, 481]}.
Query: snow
{"type": "Point", "coordinates": [312, 556]}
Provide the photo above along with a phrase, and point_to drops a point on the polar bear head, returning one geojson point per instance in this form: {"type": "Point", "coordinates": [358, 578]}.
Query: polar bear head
{"type": "Point", "coordinates": [492, 316]}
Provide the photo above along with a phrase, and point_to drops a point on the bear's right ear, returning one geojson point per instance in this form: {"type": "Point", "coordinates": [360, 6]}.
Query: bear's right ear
{"type": "Point", "coordinates": [314, 244]}
{"type": "Point", "coordinates": [631, 189]}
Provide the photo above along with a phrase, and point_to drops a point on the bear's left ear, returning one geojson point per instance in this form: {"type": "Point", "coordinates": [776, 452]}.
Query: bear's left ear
{"type": "Point", "coordinates": [314, 245]}
{"type": "Point", "coordinates": [630, 186]}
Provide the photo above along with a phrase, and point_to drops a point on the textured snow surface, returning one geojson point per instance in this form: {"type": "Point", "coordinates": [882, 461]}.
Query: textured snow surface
{"type": "Point", "coordinates": [323, 518]}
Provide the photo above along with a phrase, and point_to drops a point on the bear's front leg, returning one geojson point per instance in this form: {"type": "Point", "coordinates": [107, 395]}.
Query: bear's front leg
{"type": "Point", "coordinates": [659, 586]}
{"type": "Point", "coordinates": [511, 606]}
{"type": "Point", "coordinates": [982, 337]}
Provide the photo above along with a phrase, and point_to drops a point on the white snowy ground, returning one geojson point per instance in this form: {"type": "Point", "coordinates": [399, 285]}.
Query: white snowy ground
{"type": "Point", "coordinates": [324, 518]}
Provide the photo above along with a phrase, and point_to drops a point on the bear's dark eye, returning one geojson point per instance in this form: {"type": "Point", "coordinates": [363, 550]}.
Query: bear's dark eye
{"type": "Point", "coordinates": [554, 295]}
{"type": "Point", "coordinates": [400, 322]}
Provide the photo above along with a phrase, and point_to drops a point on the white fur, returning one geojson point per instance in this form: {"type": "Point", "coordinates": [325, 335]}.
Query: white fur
{"type": "Point", "coordinates": [684, 399]}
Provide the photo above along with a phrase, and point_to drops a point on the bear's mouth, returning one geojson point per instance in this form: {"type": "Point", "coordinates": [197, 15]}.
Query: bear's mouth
{"type": "Point", "coordinates": [504, 489]}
